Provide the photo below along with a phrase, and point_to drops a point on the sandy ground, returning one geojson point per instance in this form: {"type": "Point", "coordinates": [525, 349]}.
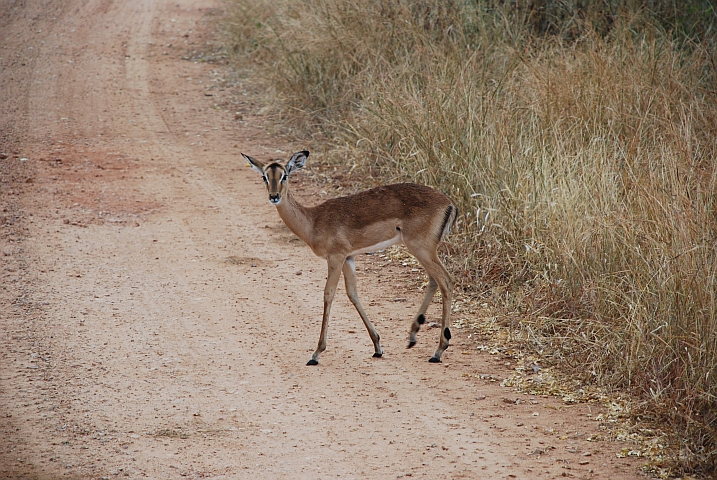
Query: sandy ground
{"type": "Point", "coordinates": [156, 316]}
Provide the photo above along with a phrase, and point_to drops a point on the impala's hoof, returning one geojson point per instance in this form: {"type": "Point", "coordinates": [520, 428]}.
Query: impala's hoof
{"type": "Point", "coordinates": [312, 362]}
{"type": "Point", "coordinates": [377, 355]}
{"type": "Point", "coordinates": [411, 344]}
{"type": "Point", "coordinates": [434, 360]}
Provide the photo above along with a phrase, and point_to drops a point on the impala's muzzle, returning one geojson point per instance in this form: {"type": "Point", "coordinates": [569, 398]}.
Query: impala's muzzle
{"type": "Point", "coordinates": [274, 198]}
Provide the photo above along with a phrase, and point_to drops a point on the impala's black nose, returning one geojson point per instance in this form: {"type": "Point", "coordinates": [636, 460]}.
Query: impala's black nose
{"type": "Point", "coordinates": [274, 198]}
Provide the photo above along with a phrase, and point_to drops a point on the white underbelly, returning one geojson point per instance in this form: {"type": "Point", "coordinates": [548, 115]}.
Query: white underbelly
{"type": "Point", "coordinates": [379, 246]}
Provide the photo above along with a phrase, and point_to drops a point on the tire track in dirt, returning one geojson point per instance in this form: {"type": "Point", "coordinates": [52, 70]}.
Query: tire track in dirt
{"type": "Point", "coordinates": [155, 321]}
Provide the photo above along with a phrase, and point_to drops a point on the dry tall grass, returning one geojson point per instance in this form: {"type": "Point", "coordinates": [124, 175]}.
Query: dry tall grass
{"type": "Point", "coordinates": [582, 159]}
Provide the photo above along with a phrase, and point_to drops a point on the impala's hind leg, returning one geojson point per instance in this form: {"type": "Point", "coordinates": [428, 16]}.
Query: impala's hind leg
{"type": "Point", "coordinates": [446, 286]}
{"type": "Point", "coordinates": [350, 281]}
{"type": "Point", "coordinates": [421, 317]}
{"type": "Point", "coordinates": [438, 273]}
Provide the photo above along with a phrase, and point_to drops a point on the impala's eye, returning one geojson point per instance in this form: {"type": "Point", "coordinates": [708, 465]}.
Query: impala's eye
{"type": "Point", "coordinates": [283, 177]}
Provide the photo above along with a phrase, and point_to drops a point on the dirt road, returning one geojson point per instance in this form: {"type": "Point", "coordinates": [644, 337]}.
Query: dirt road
{"type": "Point", "coordinates": [156, 316]}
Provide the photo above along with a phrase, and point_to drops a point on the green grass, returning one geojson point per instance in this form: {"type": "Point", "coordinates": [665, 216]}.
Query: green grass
{"type": "Point", "coordinates": [579, 144]}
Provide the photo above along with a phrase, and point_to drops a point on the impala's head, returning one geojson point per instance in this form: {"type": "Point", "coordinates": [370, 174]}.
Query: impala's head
{"type": "Point", "coordinates": [276, 175]}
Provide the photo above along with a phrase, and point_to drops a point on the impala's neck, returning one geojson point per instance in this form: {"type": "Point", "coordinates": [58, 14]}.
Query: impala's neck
{"type": "Point", "coordinates": [296, 217]}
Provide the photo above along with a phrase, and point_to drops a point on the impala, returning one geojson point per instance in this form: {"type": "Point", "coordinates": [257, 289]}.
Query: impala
{"type": "Point", "coordinates": [341, 228]}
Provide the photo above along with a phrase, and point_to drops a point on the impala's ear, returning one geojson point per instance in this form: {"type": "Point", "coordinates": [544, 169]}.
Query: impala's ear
{"type": "Point", "coordinates": [298, 160]}
{"type": "Point", "coordinates": [254, 163]}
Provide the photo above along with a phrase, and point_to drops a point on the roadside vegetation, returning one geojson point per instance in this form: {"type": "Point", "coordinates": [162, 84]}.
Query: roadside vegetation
{"type": "Point", "coordinates": [579, 141]}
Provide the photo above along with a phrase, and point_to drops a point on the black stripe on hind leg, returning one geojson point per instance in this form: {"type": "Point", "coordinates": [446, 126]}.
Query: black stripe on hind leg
{"type": "Point", "coordinates": [446, 219]}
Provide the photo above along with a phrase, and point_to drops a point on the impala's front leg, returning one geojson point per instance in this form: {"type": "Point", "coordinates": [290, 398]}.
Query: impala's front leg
{"type": "Point", "coordinates": [335, 264]}
{"type": "Point", "coordinates": [350, 279]}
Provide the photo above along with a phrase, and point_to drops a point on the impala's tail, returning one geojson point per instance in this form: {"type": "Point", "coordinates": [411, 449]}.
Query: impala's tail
{"type": "Point", "coordinates": [448, 221]}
